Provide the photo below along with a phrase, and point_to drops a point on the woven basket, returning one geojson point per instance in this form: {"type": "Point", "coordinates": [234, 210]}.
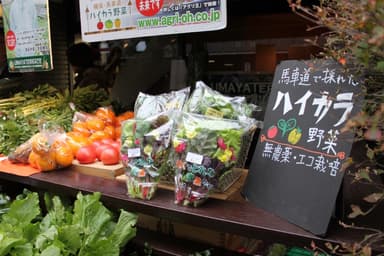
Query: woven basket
{"type": "Point", "coordinates": [246, 142]}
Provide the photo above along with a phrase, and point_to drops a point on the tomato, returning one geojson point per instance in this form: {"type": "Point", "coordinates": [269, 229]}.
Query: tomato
{"type": "Point", "coordinates": [76, 142]}
{"type": "Point", "coordinates": [110, 131]}
{"type": "Point", "coordinates": [110, 156]}
{"type": "Point", "coordinates": [100, 149]}
{"type": "Point", "coordinates": [272, 132]}
{"type": "Point", "coordinates": [95, 144]}
{"type": "Point", "coordinates": [63, 153]}
{"type": "Point", "coordinates": [98, 135]}
{"type": "Point", "coordinates": [40, 143]}
{"type": "Point", "coordinates": [42, 162]}
{"type": "Point", "coordinates": [95, 124]}
{"type": "Point", "coordinates": [81, 127]}
{"type": "Point", "coordinates": [117, 132]}
{"type": "Point", "coordinates": [107, 115]}
{"type": "Point", "coordinates": [294, 136]}
{"type": "Point", "coordinates": [116, 145]}
{"type": "Point", "coordinates": [86, 155]}
{"type": "Point", "coordinates": [107, 141]}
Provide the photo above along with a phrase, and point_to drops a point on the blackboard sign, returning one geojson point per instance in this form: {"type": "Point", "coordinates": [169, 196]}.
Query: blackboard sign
{"type": "Point", "coordinates": [295, 170]}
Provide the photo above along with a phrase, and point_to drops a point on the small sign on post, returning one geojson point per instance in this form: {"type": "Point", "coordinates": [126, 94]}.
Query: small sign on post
{"type": "Point", "coordinates": [296, 168]}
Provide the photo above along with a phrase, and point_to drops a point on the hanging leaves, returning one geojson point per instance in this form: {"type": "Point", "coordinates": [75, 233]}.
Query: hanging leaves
{"type": "Point", "coordinates": [374, 198]}
{"type": "Point", "coordinates": [356, 211]}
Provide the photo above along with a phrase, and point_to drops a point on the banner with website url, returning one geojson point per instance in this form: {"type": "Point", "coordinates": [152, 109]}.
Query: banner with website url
{"type": "Point", "coordinates": [103, 20]}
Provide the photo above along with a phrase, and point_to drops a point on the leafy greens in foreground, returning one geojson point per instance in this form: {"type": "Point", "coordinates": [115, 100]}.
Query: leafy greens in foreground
{"type": "Point", "coordinates": [85, 229]}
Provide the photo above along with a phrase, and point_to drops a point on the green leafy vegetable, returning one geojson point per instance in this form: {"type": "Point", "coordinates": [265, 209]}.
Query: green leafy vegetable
{"type": "Point", "coordinates": [85, 229]}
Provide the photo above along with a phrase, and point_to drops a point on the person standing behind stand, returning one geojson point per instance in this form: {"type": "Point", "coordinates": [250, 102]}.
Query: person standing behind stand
{"type": "Point", "coordinates": [82, 58]}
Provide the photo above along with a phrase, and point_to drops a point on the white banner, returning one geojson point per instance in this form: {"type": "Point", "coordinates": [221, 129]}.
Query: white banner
{"type": "Point", "coordinates": [103, 20]}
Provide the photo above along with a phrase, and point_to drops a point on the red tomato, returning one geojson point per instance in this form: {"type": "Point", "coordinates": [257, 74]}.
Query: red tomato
{"type": "Point", "coordinates": [86, 155]}
{"type": "Point", "coordinates": [96, 144]}
{"type": "Point", "coordinates": [107, 141]}
{"type": "Point", "coordinates": [116, 145]}
{"type": "Point", "coordinates": [110, 156]}
{"type": "Point", "coordinates": [100, 149]}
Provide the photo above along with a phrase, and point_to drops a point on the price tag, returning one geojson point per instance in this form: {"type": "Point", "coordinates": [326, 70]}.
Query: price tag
{"type": "Point", "coordinates": [194, 158]}
{"type": "Point", "coordinates": [134, 152]}
{"type": "Point", "coordinates": [213, 112]}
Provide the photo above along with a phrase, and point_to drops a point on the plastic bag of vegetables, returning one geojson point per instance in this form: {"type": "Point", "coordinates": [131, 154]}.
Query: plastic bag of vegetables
{"type": "Point", "coordinates": [206, 101]}
{"type": "Point", "coordinates": [49, 149]}
{"type": "Point", "coordinates": [203, 149]}
{"type": "Point", "coordinates": [149, 105]}
{"type": "Point", "coordinates": [145, 145]}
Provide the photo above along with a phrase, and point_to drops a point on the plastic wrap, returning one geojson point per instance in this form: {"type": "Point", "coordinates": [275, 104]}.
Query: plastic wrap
{"type": "Point", "coordinates": [203, 149]}
{"type": "Point", "coordinates": [150, 105]}
{"type": "Point", "coordinates": [145, 145]}
{"type": "Point", "coordinates": [206, 101]}
{"type": "Point", "coordinates": [49, 149]}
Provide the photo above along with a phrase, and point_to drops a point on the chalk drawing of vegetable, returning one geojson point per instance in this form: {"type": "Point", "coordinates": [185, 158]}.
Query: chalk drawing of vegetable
{"type": "Point", "coordinates": [272, 131]}
{"type": "Point", "coordinates": [294, 136]}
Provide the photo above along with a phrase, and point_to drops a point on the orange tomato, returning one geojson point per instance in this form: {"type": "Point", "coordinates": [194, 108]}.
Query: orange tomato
{"type": "Point", "coordinates": [124, 116]}
{"type": "Point", "coordinates": [110, 131]}
{"type": "Point", "coordinates": [40, 144]}
{"type": "Point", "coordinates": [98, 135]}
{"type": "Point", "coordinates": [44, 162]}
{"type": "Point", "coordinates": [81, 127]}
{"type": "Point", "coordinates": [117, 132]}
{"type": "Point", "coordinates": [63, 153]}
{"type": "Point", "coordinates": [32, 159]}
{"type": "Point", "coordinates": [106, 114]}
{"type": "Point", "coordinates": [95, 124]}
{"type": "Point", "coordinates": [76, 141]}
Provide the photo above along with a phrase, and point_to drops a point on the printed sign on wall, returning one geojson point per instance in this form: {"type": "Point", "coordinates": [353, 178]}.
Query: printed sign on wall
{"type": "Point", "coordinates": [103, 20]}
{"type": "Point", "coordinates": [296, 168]}
{"type": "Point", "coordinates": [27, 35]}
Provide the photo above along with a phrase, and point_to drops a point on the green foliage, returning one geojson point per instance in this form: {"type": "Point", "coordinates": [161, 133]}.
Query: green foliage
{"type": "Point", "coordinates": [355, 38]}
{"type": "Point", "coordinates": [85, 229]}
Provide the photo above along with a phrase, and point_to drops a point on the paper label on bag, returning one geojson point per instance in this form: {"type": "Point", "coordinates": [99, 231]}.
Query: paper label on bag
{"type": "Point", "coordinates": [134, 152]}
{"type": "Point", "coordinates": [213, 112]}
{"type": "Point", "coordinates": [194, 158]}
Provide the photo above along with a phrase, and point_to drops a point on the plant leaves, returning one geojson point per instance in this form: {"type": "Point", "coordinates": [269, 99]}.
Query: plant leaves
{"type": "Point", "coordinates": [367, 251]}
{"type": "Point", "coordinates": [370, 153]}
{"type": "Point", "coordinates": [374, 198]}
{"type": "Point", "coordinates": [356, 211]}
{"type": "Point", "coordinates": [363, 174]}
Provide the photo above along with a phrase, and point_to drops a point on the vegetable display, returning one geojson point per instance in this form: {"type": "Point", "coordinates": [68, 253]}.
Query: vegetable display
{"type": "Point", "coordinates": [144, 149]}
{"type": "Point", "coordinates": [21, 113]}
{"type": "Point", "coordinates": [203, 149]}
{"type": "Point", "coordinates": [85, 228]}
{"type": "Point", "coordinates": [206, 101]}
{"type": "Point", "coordinates": [150, 105]}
